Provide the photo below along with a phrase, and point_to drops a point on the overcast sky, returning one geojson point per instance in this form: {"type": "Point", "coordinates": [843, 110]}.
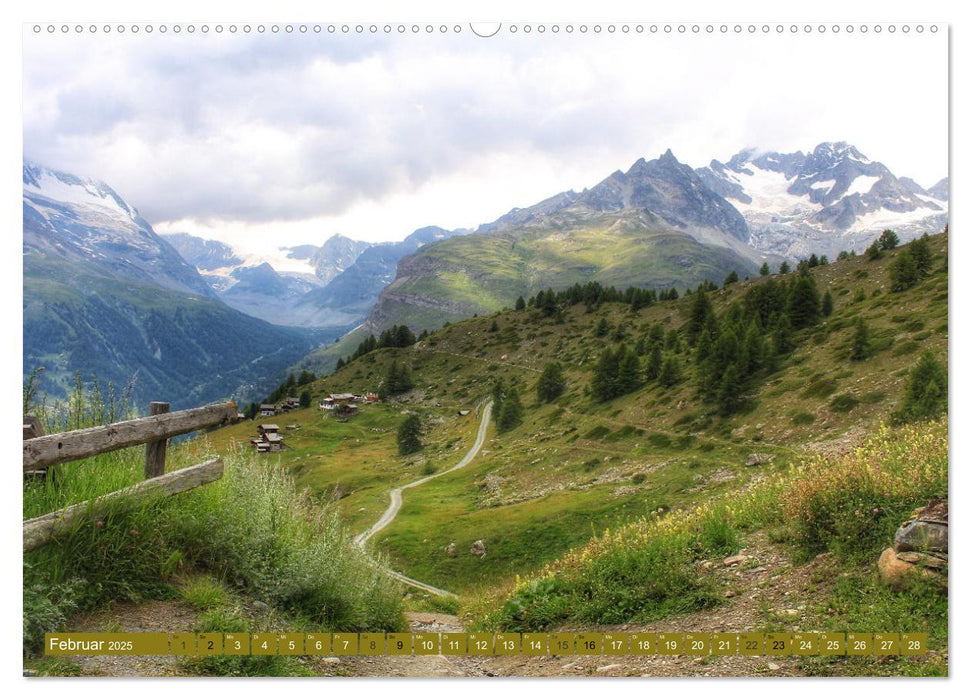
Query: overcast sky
{"type": "Point", "coordinates": [283, 139]}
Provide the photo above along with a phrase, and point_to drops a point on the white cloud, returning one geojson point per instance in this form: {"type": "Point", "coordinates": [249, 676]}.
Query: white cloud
{"type": "Point", "coordinates": [306, 135]}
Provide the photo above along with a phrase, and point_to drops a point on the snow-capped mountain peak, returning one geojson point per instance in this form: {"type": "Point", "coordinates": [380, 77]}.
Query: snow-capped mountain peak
{"type": "Point", "coordinates": [832, 198]}
{"type": "Point", "coordinates": [86, 221]}
{"type": "Point", "coordinates": [42, 182]}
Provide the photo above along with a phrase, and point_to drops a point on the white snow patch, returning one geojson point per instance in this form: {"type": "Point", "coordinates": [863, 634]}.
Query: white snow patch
{"type": "Point", "coordinates": [933, 200]}
{"type": "Point", "coordinates": [823, 185]}
{"type": "Point", "coordinates": [85, 194]}
{"type": "Point", "coordinates": [862, 184]}
{"type": "Point", "coordinates": [884, 218]}
{"type": "Point", "coordinates": [769, 193]}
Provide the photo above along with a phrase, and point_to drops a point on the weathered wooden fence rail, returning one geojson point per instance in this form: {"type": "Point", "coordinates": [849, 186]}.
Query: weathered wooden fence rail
{"type": "Point", "coordinates": [47, 450]}
{"type": "Point", "coordinates": [40, 531]}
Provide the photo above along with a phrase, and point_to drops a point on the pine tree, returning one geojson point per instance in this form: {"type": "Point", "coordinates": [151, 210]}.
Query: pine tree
{"type": "Point", "coordinates": [305, 398]}
{"type": "Point", "coordinates": [409, 435]}
{"type": "Point", "coordinates": [494, 328]}
{"type": "Point", "coordinates": [670, 371]}
{"type": "Point", "coordinates": [731, 278]}
{"type": "Point", "coordinates": [628, 371]}
{"type": "Point", "coordinates": [511, 414]}
{"type": "Point", "coordinates": [803, 302]}
{"type": "Point", "coordinates": [873, 252]}
{"type": "Point", "coordinates": [701, 310]}
{"type": "Point", "coordinates": [813, 261]}
{"type": "Point", "coordinates": [404, 380]}
{"type": "Point", "coordinates": [498, 395]}
{"type": "Point", "coordinates": [672, 341]}
{"type": "Point", "coordinates": [655, 362]}
{"type": "Point", "coordinates": [551, 383]}
{"type": "Point", "coordinates": [827, 306]}
{"type": "Point", "coordinates": [520, 304]}
{"type": "Point", "coordinates": [823, 260]}
{"type": "Point", "coordinates": [602, 328]}
{"type": "Point", "coordinates": [782, 341]}
{"type": "Point", "coordinates": [764, 270]}
{"type": "Point", "coordinates": [903, 272]}
{"type": "Point", "coordinates": [549, 305]}
{"type": "Point", "coordinates": [888, 240]}
{"type": "Point", "coordinates": [925, 397]}
{"type": "Point", "coordinates": [783, 268]}
{"type": "Point", "coordinates": [860, 345]}
{"type": "Point", "coordinates": [340, 363]}
{"type": "Point", "coordinates": [920, 251]}
{"type": "Point", "coordinates": [729, 396]}
{"type": "Point", "coordinates": [656, 334]}
{"type": "Point", "coordinates": [754, 345]}
{"type": "Point", "coordinates": [604, 384]}
{"type": "Point", "coordinates": [705, 341]}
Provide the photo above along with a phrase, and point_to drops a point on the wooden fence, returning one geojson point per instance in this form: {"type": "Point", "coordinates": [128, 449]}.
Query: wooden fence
{"type": "Point", "coordinates": [44, 451]}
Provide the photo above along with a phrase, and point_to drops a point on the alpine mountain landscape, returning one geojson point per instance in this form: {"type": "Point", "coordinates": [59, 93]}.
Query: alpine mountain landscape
{"type": "Point", "coordinates": [536, 354]}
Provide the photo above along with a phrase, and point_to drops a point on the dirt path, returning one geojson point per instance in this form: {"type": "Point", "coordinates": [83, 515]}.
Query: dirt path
{"type": "Point", "coordinates": [396, 501]}
{"type": "Point", "coordinates": [761, 587]}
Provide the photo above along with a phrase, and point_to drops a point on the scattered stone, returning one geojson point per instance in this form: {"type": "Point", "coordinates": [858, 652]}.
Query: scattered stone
{"type": "Point", "coordinates": [478, 548]}
{"type": "Point", "coordinates": [758, 570]}
{"type": "Point", "coordinates": [757, 458]}
{"type": "Point", "coordinates": [608, 667]}
{"type": "Point", "coordinates": [921, 536]}
{"type": "Point", "coordinates": [926, 530]}
{"type": "Point", "coordinates": [730, 594]}
{"type": "Point", "coordinates": [774, 667]}
{"type": "Point", "coordinates": [737, 559]}
{"type": "Point", "coordinates": [897, 573]}
{"type": "Point", "coordinates": [922, 559]}
{"type": "Point", "coordinates": [330, 660]}
{"type": "Point", "coordinates": [450, 549]}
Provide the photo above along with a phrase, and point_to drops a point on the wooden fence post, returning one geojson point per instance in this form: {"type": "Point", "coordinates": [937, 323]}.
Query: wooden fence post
{"type": "Point", "coordinates": [155, 451]}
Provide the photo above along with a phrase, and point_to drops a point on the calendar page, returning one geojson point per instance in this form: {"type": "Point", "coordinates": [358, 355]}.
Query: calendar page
{"type": "Point", "coordinates": [425, 348]}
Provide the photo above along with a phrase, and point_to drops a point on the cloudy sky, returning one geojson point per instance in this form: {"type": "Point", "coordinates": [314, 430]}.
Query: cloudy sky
{"type": "Point", "coordinates": [283, 139]}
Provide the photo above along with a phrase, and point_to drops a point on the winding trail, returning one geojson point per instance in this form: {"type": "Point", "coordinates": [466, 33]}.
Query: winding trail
{"type": "Point", "coordinates": [392, 512]}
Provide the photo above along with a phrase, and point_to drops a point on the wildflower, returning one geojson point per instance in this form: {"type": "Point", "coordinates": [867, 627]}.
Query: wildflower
{"type": "Point", "coordinates": [100, 523]}
{"type": "Point", "coordinates": [133, 531]}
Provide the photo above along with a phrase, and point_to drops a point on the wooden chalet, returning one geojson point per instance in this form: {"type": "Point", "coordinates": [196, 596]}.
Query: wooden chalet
{"type": "Point", "coordinates": [265, 429]}
{"type": "Point", "coordinates": [290, 403]}
{"type": "Point", "coordinates": [267, 409]}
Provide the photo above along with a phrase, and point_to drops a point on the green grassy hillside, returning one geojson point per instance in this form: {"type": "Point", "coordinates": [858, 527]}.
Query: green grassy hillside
{"type": "Point", "coordinates": [462, 276]}
{"type": "Point", "coordinates": [578, 466]}
{"type": "Point", "coordinates": [182, 348]}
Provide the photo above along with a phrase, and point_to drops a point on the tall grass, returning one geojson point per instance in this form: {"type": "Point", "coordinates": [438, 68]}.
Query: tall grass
{"type": "Point", "coordinates": [848, 504]}
{"type": "Point", "coordinates": [852, 503]}
{"type": "Point", "coordinates": [255, 531]}
{"type": "Point", "coordinates": [252, 529]}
